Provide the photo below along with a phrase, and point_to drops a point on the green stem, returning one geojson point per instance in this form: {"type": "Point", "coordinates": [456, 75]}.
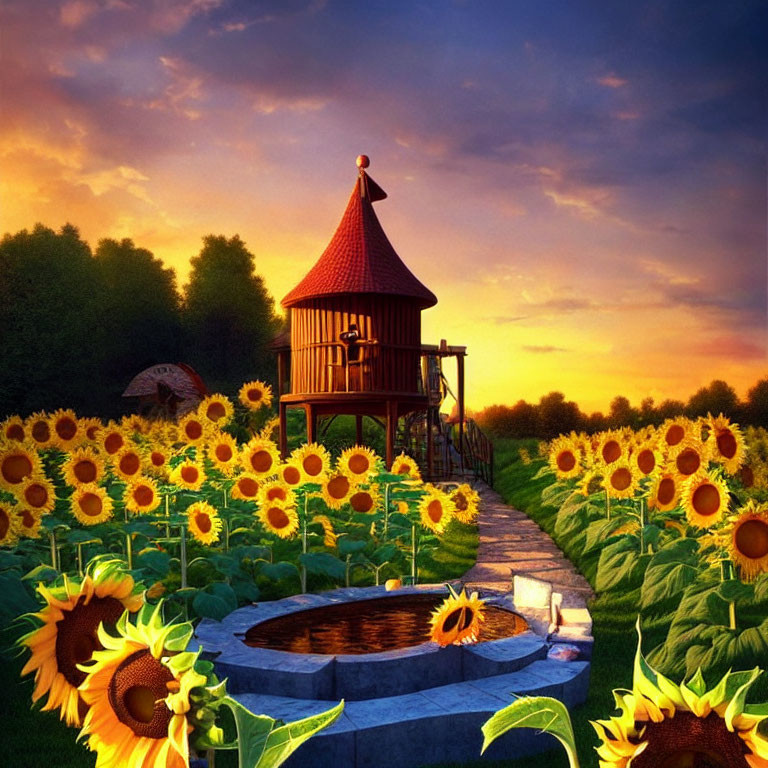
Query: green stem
{"type": "Point", "coordinates": [225, 498]}
{"type": "Point", "coordinates": [607, 505]}
{"type": "Point", "coordinates": [414, 550]}
{"type": "Point", "coordinates": [129, 551]}
{"type": "Point", "coordinates": [167, 515]}
{"type": "Point", "coordinates": [52, 537]}
{"type": "Point", "coordinates": [727, 573]}
{"type": "Point", "coordinates": [226, 533]}
{"type": "Point", "coordinates": [183, 555]}
{"type": "Point", "coordinates": [303, 572]}
{"type": "Point", "coordinates": [347, 569]}
{"type": "Point", "coordinates": [386, 511]}
{"type": "Point", "coordinates": [80, 559]}
{"type": "Point", "coordinates": [642, 526]}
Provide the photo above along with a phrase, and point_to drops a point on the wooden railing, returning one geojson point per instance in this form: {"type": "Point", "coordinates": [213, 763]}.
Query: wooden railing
{"type": "Point", "coordinates": [478, 451]}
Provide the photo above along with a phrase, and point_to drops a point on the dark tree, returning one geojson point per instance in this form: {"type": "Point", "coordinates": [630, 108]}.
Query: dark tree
{"type": "Point", "coordinates": [756, 406]}
{"type": "Point", "coordinates": [622, 414]}
{"type": "Point", "coordinates": [718, 397]}
{"type": "Point", "coordinates": [556, 415]}
{"type": "Point", "coordinates": [229, 316]}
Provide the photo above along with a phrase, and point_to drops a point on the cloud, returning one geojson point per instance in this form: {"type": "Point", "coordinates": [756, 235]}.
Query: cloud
{"type": "Point", "coordinates": [612, 81]}
{"type": "Point", "coordinates": [543, 349]}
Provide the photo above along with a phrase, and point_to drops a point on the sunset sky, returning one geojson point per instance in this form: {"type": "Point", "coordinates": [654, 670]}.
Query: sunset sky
{"type": "Point", "coordinates": [581, 184]}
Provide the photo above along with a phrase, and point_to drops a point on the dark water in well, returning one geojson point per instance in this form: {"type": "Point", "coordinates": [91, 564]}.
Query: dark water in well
{"type": "Point", "coordinates": [369, 626]}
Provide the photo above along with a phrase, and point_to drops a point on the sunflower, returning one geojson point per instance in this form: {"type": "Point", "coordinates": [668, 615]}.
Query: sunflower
{"type": "Point", "coordinates": [255, 394]}
{"type": "Point", "coordinates": [224, 453]}
{"type": "Point", "coordinates": [357, 463]}
{"type": "Point", "coordinates": [91, 504]}
{"type": "Point", "coordinates": [66, 430]}
{"type": "Point", "coordinates": [260, 457]}
{"type": "Point", "coordinates": [436, 509]}
{"type": "Point", "coordinates": [665, 725]}
{"type": "Point", "coordinates": [673, 432]}
{"type": "Point", "coordinates": [280, 520]}
{"type": "Point", "coordinates": [289, 473]}
{"type": "Point", "coordinates": [39, 430]}
{"type": "Point", "coordinates": [91, 427]}
{"type": "Point", "coordinates": [704, 497]}
{"type": "Point", "coordinates": [204, 522]}
{"type": "Point", "coordinates": [189, 475]}
{"type": "Point", "coordinates": [17, 463]}
{"type": "Point", "coordinates": [564, 458]}
{"type": "Point", "coordinates": [689, 457]}
{"type": "Point", "coordinates": [611, 448]}
{"type": "Point", "coordinates": [29, 522]}
{"type": "Point", "coordinates": [467, 502]}
{"type": "Point", "coordinates": [246, 487]}
{"type": "Point", "coordinates": [193, 429]}
{"type": "Point", "coordinates": [127, 463]}
{"type": "Point", "coordinates": [664, 493]}
{"type": "Point", "coordinates": [141, 496]}
{"type": "Point", "coordinates": [156, 460]}
{"type": "Point", "coordinates": [457, 619]}
{"type": "Point", "coordinates": [405, 465]}
{"type": "Point", "coordinates": [329, 536]}
{"type": "Point", "coordinates": [138, 691]}
{"type": "Point", "coordinates": [590, 482]}
{"type": "Point", "coordinates": [37, 494]}
{"type": "Point", "coordinates": [69, 634]}
{"type": "Point", "coordinates": [12, 430]}
{"type": "Point", "coordinates": [727, 444]}
{"type": "Point", "coordinates": [217, 410]}
{"type": "Point", "coordinates": [112, 439]}
{"type": "Point", "coordinates": [9, 525]}
{"type": "Point", "coordinates": [133, 424]}
{"type": "Point", "coordinates": [83, 466]}
{"type": "Point", "coordinates": [313, 461]}
{"type": "Point", "coordinates": [365, 500]}
{"type": "Point", "coordinates": [337, 490]}
{"type": "Point", "coordinates": [645, 457]}
{"type": "Point", "coordinates": [276, 491]}
{"type": "Point", "coordinates": [620, 479]}
{"type": "Point", "coordinates": [748, 539]}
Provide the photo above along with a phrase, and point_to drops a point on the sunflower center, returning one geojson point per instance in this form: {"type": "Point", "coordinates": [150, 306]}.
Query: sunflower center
{"type": "Point", "coordinates": [130, 464]}
{"type": "Point", "coordinates": [751, 539]}
{"type": "Point", "coordinates": [27, 519]}
{"type": "Point", "coordinates": [189, 474]}
{"type": "Point", "coordinates": [747, 477]}
{"type": "Point", "coordinates": [688, 741]}
{"type": "Point", "coordinates": [203, 522]}
{"type": "Point", "coordinates": [277, 517]}
{"type": "Point", "coordinates": [5, 523]}
{"type": "Point", "coordinates": [36, 495]}
{"type": "Point", "coordinates": [157, 459]}
{"type": "Point", "coordinates": [566, 461]}
{"type": "Point", "coordinates": [359, 463]}
{"type": "Point", "coordinates": [85, 471]}
{"type": "Point", "coordinates": [16, 467]}
{"type": "Point", "coordinates": [277, 493]}
{"type": "Point", "coordinates": [215, 411]}
{"type": "Point", "coordinates": [666, 491]}
{"type": "Point", "coordinates": [261, 461]}
{"type": "Point", "coordinates": [66, 428]}
{"type": "Point", "coordinates": [361, 502]}
{"type": "Point", "coordinates": [621, 479]}
{"type": "Point", "coordinates": [461, 501]}
{"type": "Point", "coordinates": [223, 452]}
{"type": "Point", "coordinates": [113, 442]}
{"type": "Point", "coordinates": [403, 469]}
{"type": "Point", "coordinates": [15, 432]}
{"type": "Point", "coordinates": [143, 495]}
{"type": "Point", "coordinates": [435, 510]}
{"type": "Point", "coordinates": [254, 394]}
{"type": "Point", "coordinates": [92, 432]}
{"type": "Point", "coordinates": [611, 451]}
{"type": "Point", "coordinates": [313, 465]}
{"type": "Point", "coordinates": [137, 691]}
{"type": "Point", "coordinates": [646, 461]}
{"type": "Point", "coordinates": [338, 487]}
{"type": "Point", "coordinates": [674, 434]}
{"type": "Point", "coordinates": [291, 475]}
{"type": "Point", "coordinates": [248, 486]}
{"type": "Point", "coordinates": [194, 430]}
{"type": "Point", "coordinates": [726, 444]}
{"type": "Point", "coordinates": [688, 461]}
{"type": "Point", "coordinates": [90, 504]}
{"type": "Point", "coordinates": [76, 636]}
{"type": "Point", "coordinates": [706, 500]}
{"type": "Point", "coordinates": [40, 432]}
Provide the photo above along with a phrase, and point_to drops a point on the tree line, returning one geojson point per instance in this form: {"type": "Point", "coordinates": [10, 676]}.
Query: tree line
{"type": "Point", "coordinates": [553, 414]}
{"type": "Point", "coordinates": [76, 324]}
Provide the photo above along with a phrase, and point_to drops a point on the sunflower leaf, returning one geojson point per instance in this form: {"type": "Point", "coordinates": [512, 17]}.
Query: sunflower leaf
{"type": "Point", "coordinates": [541, 712]}
{"type": "Point", "coordinates": [620, 565]}
{"type": "Point", "coordinates": [669, 572]}
{"type": "Point", "coordinates": [278, 571]}
{"type": "Point", "coordinates": [323, 563]}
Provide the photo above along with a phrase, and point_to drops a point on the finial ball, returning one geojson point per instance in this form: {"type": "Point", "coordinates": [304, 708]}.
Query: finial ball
{"type": "Point", "coordinates": [363, 161]}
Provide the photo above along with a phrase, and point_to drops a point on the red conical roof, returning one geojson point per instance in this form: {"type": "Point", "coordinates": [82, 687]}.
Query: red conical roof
{"type": "Point", "coordinates": [360, 258]}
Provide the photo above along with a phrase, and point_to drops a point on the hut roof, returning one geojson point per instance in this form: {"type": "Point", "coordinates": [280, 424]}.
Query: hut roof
{"type": "Point", "coordinates": [360, 258]}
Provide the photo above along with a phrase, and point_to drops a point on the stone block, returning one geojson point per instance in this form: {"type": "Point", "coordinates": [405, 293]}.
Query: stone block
{"type": "Point", "coordinates": [531, 593]}
{"type": "Point", "coordinates": [573, 676]}
{"type": "Point", "coordinates": [498, 657]}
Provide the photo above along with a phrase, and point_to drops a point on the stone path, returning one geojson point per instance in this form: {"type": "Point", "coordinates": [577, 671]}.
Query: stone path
{"type": "Point", "coordinates": [513, 544]}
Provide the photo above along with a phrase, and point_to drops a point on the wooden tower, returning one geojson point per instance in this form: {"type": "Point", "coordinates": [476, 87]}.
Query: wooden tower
{"type": "Point", "coordinates": [355, 340]}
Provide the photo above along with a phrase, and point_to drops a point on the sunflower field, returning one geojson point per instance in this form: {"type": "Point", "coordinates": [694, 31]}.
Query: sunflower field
{"type": "Point", "coordinates": [680, 514]}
